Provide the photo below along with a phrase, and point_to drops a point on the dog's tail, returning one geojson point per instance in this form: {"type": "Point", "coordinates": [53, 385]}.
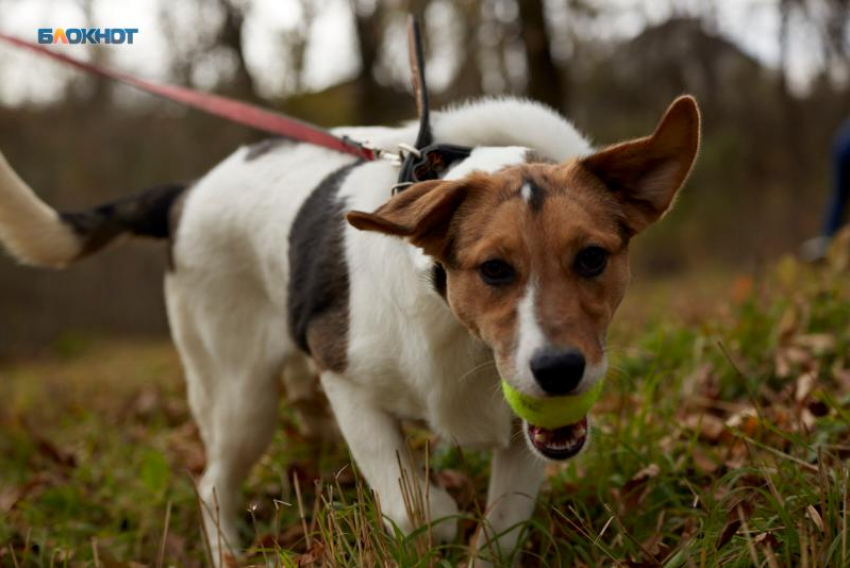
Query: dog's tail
{"type": "Point", "coordinates": [36, 234]}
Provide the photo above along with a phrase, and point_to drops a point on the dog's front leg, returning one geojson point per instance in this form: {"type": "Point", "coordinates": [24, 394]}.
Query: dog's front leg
{"type": "Point", "coordinates": [376, 442]}
{"type": "Point", "coordinates": [515, 478]}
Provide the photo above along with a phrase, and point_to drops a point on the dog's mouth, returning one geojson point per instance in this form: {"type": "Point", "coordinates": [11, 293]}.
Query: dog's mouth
{"type": "Point", "coordinates": [560, 443]}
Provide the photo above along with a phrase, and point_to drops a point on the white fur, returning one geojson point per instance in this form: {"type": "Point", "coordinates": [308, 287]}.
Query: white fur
{"type": "Point", "coordinates": [29, 229]}
{"type": "Point", "coordinates": [512, 122]}
{"type": "Point", "coordinates": [487, 160]}
{"type": "Point", "coordinates": [530, 339]}
{"type": "Point", "coordinates": [408, 357]}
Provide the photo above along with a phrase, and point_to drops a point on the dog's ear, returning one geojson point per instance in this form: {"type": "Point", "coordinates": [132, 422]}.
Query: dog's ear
{"type": "Point", "coordinates": [421, 213]}
{"type": "Point", "coordinates": [645, 174]}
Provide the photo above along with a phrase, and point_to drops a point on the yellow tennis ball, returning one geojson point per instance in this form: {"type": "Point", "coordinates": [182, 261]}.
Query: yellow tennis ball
{"type": "Point", "coordinates": [552, 412]}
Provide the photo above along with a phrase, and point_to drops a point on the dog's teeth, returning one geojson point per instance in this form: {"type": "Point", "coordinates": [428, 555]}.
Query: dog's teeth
{"type": "Point", "coordinates": [541, 437]}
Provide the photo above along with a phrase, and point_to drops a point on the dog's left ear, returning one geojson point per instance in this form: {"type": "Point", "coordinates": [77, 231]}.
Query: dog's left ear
{"type": "Point", "coordinates": [421, 213]}
{"type": "Point", "coordinates": [645, 174]}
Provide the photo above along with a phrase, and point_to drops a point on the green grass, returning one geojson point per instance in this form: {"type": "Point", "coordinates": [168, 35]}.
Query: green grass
{"type": "Point", "coordinates": [721, 440]}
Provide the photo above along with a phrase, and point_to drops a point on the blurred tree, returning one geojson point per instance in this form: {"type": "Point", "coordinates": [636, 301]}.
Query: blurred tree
{"type": "Point", "coordinates": [296, 41]}
{"type": "Point", "coordinates": [467, 79]}
{"type": "Point", "coordinates": [101, 88]}
{"type": "Point", "coordinates": [369, 24]}
{"type": "Point", "coordinates": [794, 126]}
{"type": "Point", "coordinates": [545, 81]}
{"type": "Point", "coordinates": [240, 83]}
{"type": "Point", "coordinates": [215, 36]}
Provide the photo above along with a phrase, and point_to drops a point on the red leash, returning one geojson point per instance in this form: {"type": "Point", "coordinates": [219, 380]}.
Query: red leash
{"type": "Point", "coordinates": [235, 111]}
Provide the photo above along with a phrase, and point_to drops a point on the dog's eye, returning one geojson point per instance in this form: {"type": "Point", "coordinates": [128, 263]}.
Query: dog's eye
{"type": "Point", "coordinates": [497, 272]}
{"type": "Point", "coordinates": [591, 262]}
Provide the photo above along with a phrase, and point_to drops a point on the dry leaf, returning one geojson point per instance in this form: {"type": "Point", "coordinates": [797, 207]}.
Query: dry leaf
{"type": "Point", "coordinates": [742, 289]}
{"type": "Point", "coordinates": [737, 455]}
{"type": "Point", "coordinates": [709, 426]}
{"type": "Point", "coordinates": [799, 356]}
{"type": "Point", "coordinates": [636, 489]}
{"type": "Point", "coordinates": [745, 420]}
{"type": "Point", "coordinates": [781, 364]}
{"type": "Point", "coordinates": [768, 543]}
{"type": "Point", "coordinates": [805, 383]}
{"type": "Point", "coordinates": [838, 254]}
{"type": "Point", "coordinates": [818, 343]}
{"type": "Point", "coordinates": [312, 556]}
{"type": "Point", "coordinates": [788, 324]}
{"type": "Point", "coordinates": [650, 471]}
{"type": "Point", "coordinates": [9, 496]}
{"type": "Point", "coordinates": [740, 511]}
{"type": "Point", "coordinates": [703, 462]}
{"type": "Point", "coordinates": [813, 514]}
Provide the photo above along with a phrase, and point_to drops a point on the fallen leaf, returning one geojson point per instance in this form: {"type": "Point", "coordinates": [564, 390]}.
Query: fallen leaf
{"type": "Point", "coordinates": [703, 462]}
{"type": "Point", "coordinates": [807, 419]}
{"type": "Point", "coordinates": [782, 367]}
{"type": "Point", "coordinates": [813, 514]}
{"type": "Point", "coordinates": [805, 383]}
{"type": "Point", "coordinates": [818, 343]}
{"type": "Point", "coordinates": [742, 289]}
{"type": "Point", "coordinates": [767, 542]}
{"type": "Point", "coordinates": [742, 510]}
{"type": "Point", "coordinates": [709, 426]}
{"type": "Point", "coordinates": [838, 254]}
{"type": "Point", "coordinates": [745, 420]}
{"type": "Point", "coordinates": [9, 496]}
{"type": "Point", "coordinates": [312, 556]}
{"type": "Point", "coordinates": [788, 324]}
{"type": "Point", "coordinates": [650, 471]}
{"type": "Point", "coordinates": [59, 455]}
{"type": "Point", "coordinates": [800, 357]}
{"type": "Point", "coordinates": [635, 489]}
{"type": "Point", "coordinates": [737, 455]}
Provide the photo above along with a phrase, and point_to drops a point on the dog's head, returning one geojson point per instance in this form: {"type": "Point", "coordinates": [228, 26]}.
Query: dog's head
{"type": "Point", "coordinates": [535, 255]}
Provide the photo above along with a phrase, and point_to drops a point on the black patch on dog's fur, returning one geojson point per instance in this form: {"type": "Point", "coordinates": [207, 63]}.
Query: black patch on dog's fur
{"type": "Point", "coordinates": [535, 157]}
{"type": "Point", "coordinates": [175, 213]}
{"type": "Point", "coordinates": [538, 196]}
{"type": "Point", "coordinates": [318, 283]}
{"type": "Point", "coordinates": [146, 214]}
{"type": "Point", "coordinates": [438, 279]}
{"type": "Point", "coordinates": [264, 146]}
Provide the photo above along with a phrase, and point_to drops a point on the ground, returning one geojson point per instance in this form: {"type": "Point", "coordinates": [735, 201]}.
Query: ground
{"type": "Point", "coordinates": [721, 440]}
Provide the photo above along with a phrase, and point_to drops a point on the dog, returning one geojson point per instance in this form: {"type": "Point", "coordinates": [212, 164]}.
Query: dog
{"type": "Point", "coordinates": [291, 259]}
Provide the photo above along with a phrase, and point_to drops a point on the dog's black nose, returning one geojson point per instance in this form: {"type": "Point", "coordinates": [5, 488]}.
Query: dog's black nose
{"type": "Point", "coordinates": [558, 371]}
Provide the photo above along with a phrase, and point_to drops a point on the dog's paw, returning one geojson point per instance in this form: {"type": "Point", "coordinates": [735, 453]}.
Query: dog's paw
{"type": "Point", "coordinates": [444, 514]}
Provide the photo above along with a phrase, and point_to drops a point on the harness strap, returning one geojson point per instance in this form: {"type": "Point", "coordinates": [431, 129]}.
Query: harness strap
{"type": "Point", "coordinates": [426, 161]}
{"type": "Point", "coordinates": [235, 111]}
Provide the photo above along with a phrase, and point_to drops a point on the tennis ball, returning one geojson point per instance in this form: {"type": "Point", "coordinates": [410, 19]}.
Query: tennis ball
{"type": "Point", "coordinates": [552, 412]}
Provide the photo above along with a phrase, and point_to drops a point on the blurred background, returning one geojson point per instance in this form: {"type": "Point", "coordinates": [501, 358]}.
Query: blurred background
{"type": "Point", "coordinates": [772, 78]}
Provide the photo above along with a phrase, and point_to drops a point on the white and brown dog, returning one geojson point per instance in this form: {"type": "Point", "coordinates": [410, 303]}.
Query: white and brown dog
{"type": "Point", "coordinates": [294, 259]}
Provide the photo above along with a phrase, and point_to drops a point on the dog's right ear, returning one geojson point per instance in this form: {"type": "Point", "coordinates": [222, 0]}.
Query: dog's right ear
{"type": "Point", "coordinates": [645, 174]}
{"type": "Point", "coordinates": [421, 213]}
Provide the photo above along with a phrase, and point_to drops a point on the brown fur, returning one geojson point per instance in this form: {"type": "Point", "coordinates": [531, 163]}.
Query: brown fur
{"type": "Point", "coordinates": [328, 340]}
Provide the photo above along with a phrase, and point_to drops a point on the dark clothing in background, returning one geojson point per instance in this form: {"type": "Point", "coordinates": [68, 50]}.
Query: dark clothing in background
{"type": "Point", "coordinates": [837, 209]}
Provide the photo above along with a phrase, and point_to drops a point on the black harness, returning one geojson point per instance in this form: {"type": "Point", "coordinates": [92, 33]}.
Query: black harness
{"type": "Point", "coordinates": [426, 161]}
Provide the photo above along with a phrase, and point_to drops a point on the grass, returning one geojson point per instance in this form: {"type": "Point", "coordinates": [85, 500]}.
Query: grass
{"type": "Point", "coordinates": [721, 440]}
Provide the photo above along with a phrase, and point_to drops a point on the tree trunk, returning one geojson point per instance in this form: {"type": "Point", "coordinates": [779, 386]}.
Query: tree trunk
{"type": "Point", "coordinates": [545, 82]}
{"type": "Point", "coordinates": [369, 34]}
